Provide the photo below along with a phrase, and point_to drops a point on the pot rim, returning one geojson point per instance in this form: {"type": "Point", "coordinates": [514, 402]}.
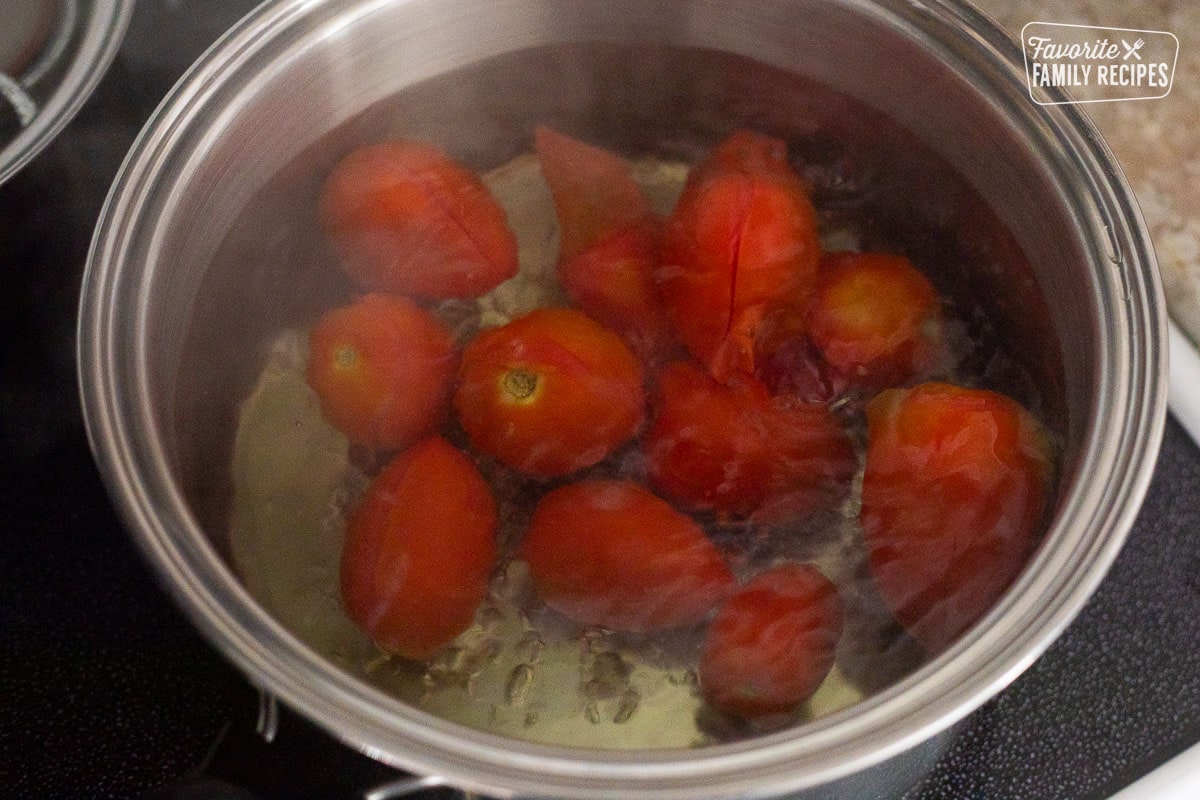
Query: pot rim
{"type": "Point", "coordinates": [1092, 521]}
{"type": "Point", "coordinates": [101, 35]}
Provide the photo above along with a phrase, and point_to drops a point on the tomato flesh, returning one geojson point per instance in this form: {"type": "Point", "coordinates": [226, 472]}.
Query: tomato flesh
{"type": "Point", "coordinates": [419, 550]}
{"type": "Point", "coordinates": [772, 643]}
{"type": "Point", "coordinates": [608, 552]}
{"type": "Point", "coordinates": [741, 241]}
{"type": "Point", "coordinates": [609, 240]}
{"type": "Point", "coordinates": [734, 450]}
{"type": "Point", "coordinates": [956, 483]}
{"type": "Point", "coordinates": [381, 368]}
{"type": "Point", "coordinates": [550, 393]}
{"type": "Point", "coordinates": [874, 318]}
{"type": "Point", "coordinates": [406, 218]}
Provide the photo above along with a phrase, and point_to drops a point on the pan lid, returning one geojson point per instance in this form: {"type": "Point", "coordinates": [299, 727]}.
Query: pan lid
{"type": "Point", "coordinates": [52, 55]}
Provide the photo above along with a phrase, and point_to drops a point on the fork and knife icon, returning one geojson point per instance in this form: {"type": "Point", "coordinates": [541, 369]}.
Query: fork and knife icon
{"type": "Point", "coordinates": [1132, 49]}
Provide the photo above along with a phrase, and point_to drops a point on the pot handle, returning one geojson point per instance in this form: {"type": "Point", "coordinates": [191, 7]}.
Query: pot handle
{"type": "Point", "coordinates": [411, 784]}
{"type": "Point", "coordinates": [267, 727]}
{"type": "Point", "coordinates": [267, 753]}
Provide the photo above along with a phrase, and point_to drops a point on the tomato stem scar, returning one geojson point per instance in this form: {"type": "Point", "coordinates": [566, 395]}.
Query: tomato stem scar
{"type": "Point", "coordinates": [345, 357]}
{"type": "Point", "coordinates": [520, 384]}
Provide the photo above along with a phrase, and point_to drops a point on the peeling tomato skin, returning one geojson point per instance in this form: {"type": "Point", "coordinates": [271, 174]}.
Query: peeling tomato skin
{"type": "Point", "coordinates": [611, 553]}
{"type": "Point", "coordinates": [734, 450]}
{"type": "Point", "coordinates": [741, 241]}
{"type": "Point", "coordinates": [612, 281]}
{"type": "Point", "coordinates": [699, 259]}
{"type": "Point", "coordinates": [419, 550]}
{"type": "Point", "coordinates": [405, 218]}
{"type": "Point", "coordinates": [594, 193]}
{"type": "Point", "coordinates": [382, 369]}
{"type": "Point", "coordinates": [792, 366]}
{"type": "Point", "coordinates": [772, 642]}
{"type": "Point", "coordinates": [875, 318]}
{"type": "Point", "coordinates": [609, 241]}
{"type": "Point", "coordinates": [957, 482]}
{"type": "Point", "coordinates": [550, 393]}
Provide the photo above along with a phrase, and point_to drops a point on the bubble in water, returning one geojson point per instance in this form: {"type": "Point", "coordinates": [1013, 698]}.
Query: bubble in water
{"type": "Point", "coordinates": [608, 676]}
{"type": "Point", "coordinates": [610, 667]}
{"type": "Point", "coordinates": [516, 689]}
{"type": "Point", "coordinates": [445, 670]}
{"type": "Point", "coordinates": [529, 648]}
{"type": "Point", "coordinates": [686, 677]}
{"type": "Point", "coordinates": [629, 703]}
{"type": "Point", "coordinates": [484, 655]}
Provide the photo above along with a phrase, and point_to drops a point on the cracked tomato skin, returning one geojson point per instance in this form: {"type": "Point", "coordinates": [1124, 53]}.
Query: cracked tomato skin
{"type": "Point", "coordinates": [419, 551]}
{"type": "Point", "coordinates": [772, 642]}
{"type": "Point", "coordinates": [957, 481]}
{"type": "Point", "coordinates": [609, 552]}
{"type": "Point", "coordinates": [407, 219]}
{"type": "Point", "coordinates": [875, 318]}
{"type": "Point", "coordinates": [741, 241]}
{"type": "Point", "coordinates": [609, 242]}
{"type": "Point", "coordinates": [550, 393]}
{"type": "Point", "coordinates": [733, 449]}
{"type": "Point", "coordinates": [382, 369]}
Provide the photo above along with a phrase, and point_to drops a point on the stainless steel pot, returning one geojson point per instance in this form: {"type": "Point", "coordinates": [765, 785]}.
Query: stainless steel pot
{"type": "Point", "coordinates": [192, 269]}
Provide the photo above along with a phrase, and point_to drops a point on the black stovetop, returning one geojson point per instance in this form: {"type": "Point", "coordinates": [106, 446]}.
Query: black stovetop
{"type": "Point", "coordinates": [107, 692]}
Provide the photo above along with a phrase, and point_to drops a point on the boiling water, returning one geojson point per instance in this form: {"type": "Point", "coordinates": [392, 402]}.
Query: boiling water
{"type": "Point", "coordinates": [521, 669]}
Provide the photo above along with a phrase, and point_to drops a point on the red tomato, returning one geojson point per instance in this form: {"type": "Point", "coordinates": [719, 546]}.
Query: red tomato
{"type": "Point", "coordinates": [772, 643]}
{"type": "Point", "coordinates": [593, 191]}
{"type": "Point", "coordinates": [610, 553]}
{"type": "Point", "coordinates": [381, 368]}
{"type": "Point", "coordinates": [874, 318]}
{"type": "Point", "coordinates": [732, 449]}
{"type": "Point", "coordinates": [956, 484]}
{"type": "Point", "coordinates": [613, 282]}
{"type": "Point", "coordinates": [407, 219]}
{"type": "Point", "coordinates": [741, 241]}
{"type": "Point", "coordinates": [420, 550]}
{"type": "Point", "coordinates": [550, 393]}
{"type": "Point", "coordinates": [609, 240]}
